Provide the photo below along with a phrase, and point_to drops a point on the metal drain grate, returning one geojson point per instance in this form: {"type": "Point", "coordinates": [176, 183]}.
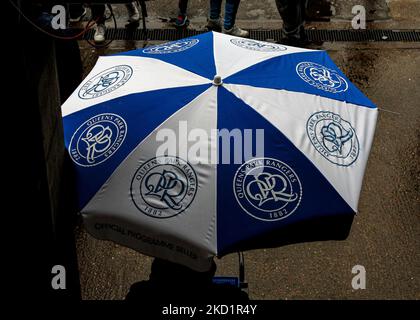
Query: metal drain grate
{"type": "Point", "coordinates": [364, 35]}
{"type": "Point", "coordinates": [263, 35]}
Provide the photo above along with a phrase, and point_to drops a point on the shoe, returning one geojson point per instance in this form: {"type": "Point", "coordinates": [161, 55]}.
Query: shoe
{"type": "Point", "coordinates": [133, 13]}
{"type": "Point", "coordinates": [214, 24]}
{"type": "Point", "coordinates": [236, 31]}
{"type": "Point", "coordinates": [296, 40]}
{"type": "Point", "coordinates": [99, 35]}
{"type": "Point", "coordinates": [300, 42]}
{"type": "Point", "coordinates": [182, 20]}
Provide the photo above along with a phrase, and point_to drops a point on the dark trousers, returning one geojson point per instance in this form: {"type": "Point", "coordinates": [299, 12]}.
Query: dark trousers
{"type": "Point", "coordinates": [98, 13]}
{"type": "Point", "coordinates": [292, 13]}
{"type": "Point", "coordinates": [182, 5]}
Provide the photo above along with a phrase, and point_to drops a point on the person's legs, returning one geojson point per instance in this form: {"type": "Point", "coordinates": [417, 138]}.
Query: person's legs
{"type": "Point", "coordinates": [182, 5]}
{"type": "Point", "coordinates": [215, 9]}
{"type": "Point", "coordinates": [292, 13]}
{"type": "Point", "coordinates": [76, 12]}
{"type": "Point", "coordinates": [182, 19]}
{"type": "Point", "coordinates": [133, 12]}
{"type": "Point", "coordinates": [213, 22]}
{"type": "Point", "coordinates": [231, 9]}
{"type": "Point", "coordinates": [98, 14]}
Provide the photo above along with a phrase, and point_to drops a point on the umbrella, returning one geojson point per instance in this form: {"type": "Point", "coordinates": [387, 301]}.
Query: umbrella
{"type": "Point", "coordinates": [212, 144]}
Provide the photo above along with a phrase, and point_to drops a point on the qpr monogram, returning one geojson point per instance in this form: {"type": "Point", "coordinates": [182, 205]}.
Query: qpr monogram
{"type": "Point", "coordinates": [97, 139]}
{"type": "Point", "coordinates": [164, 186]}
{"type": "Point", "coordinates": [105, 82]}
{"type": "Point", "coordinates": [171, 47]}
{"type": "Point", "coordinates": [257, 45]}
{"type": "Point", "coordinates": [267, 189]}
{"type": "Point", "coordinates": [333, 137]}
{"type": "Point", "coordinates": [321, 77]}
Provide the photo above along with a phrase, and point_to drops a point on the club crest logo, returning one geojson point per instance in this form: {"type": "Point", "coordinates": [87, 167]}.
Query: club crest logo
{"type": "Point", "coordinates": [105, 82]}
{"type": "Point", "coordinates": [164, 187]}
{"type": "Point", "coordinates": [97, 139]}
{"type": "Point", "coordinates": [257, 45]}
{"type": "Point", "coordinates": [333, 137]}
{"type": "Point", "coordinates": [171, 47]}
{"type": "Point", "coordinates": [321, 77]}
{"type": "Point", "coordinates": [267, 189]}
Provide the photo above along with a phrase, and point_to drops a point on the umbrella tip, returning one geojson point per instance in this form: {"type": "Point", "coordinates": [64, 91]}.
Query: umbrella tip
{"type": "Point", "coordinates": [217, 80]}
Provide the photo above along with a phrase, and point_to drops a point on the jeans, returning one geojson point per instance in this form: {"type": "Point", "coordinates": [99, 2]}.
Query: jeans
{"type": "Point", "coordinates": [98, 13]}
{"type": "Point", "coordinates": [231, 8]}
{"type": "Point", "coordinates": [292, 13]}
{"type": "Point", "coordinates": [182, 5]}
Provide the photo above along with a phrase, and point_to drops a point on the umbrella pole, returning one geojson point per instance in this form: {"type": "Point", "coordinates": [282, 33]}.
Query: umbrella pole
{"type": "Point", "coordinates": [242, 283]}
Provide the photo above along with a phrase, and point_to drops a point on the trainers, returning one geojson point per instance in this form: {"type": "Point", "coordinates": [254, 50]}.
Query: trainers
{"type": "Point", "coordinates": [236, 31]}
{"type": "Point", "coordinates": [99, 35]}
{"type": "Point", "coordinates": [214, 24]}
{"type": "Point", "coordinates": [133, 13]}
{"type": "Point", "coordinates": [181, 20]}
